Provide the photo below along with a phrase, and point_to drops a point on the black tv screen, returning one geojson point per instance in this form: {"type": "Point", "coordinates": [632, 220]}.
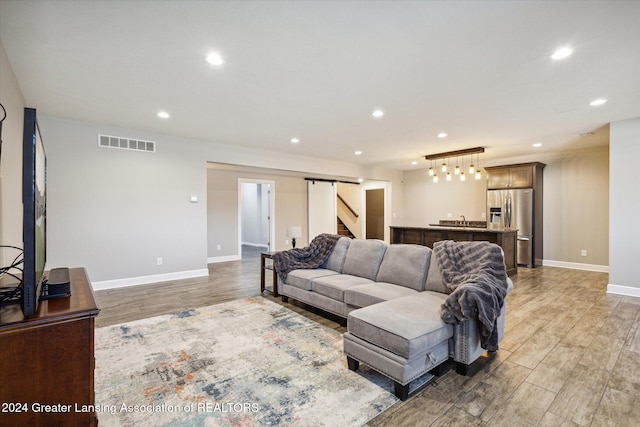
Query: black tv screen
{"type": "Point", "coordinates": [34, 221]}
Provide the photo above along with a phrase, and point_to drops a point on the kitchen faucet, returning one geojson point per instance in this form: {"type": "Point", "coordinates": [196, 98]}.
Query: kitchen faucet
{"type": "Point", "coordinates": [464, 220]}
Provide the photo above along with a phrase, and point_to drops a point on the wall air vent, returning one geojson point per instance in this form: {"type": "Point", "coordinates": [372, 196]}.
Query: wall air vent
{"type": "Point", "coordinates": [107, 141]}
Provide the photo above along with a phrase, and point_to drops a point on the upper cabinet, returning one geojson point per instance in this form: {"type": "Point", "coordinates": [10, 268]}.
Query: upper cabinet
{"type": "Point", "coordinates": [524, 175]}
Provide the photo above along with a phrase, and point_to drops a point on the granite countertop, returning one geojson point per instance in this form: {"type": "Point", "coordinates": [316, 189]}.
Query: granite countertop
{"type": "Point", "coordinates": [473, 229]}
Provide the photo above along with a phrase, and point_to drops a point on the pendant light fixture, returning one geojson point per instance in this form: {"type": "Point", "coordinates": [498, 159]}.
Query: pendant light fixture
{"type": "Point", "coordinates": [474, 168]}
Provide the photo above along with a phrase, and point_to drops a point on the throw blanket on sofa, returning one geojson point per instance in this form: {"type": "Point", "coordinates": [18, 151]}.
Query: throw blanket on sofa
{"type": "Point", "coordinates": [313, 256]}
{"type": "Point", "coordinates": [476, 274]}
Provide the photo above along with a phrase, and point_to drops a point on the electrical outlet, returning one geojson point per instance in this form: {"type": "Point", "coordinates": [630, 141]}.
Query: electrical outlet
{"type": "Point", "coordinates": [286, 242]}
{"type": "Point", "coordinates": [158, 261]}
{"type": "Point", "coordinates": [483, 215]}
{"type": "Point", "coordinates": [583, 252]}
{"type": "Point", "coordinates": [449, 215]}
{"type": "Point", "coordinates": [219, 247]}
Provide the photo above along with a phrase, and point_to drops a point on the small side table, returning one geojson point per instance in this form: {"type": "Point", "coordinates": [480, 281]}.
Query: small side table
{"type": "Point", "coordinates": [263, 267]}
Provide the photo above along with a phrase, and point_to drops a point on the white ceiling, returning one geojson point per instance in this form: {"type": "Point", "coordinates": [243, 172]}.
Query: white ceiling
{"type": "Point", "coordinates": [316, 70]}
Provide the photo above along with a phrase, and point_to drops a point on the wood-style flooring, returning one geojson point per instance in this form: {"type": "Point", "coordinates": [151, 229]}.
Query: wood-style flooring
{"type": "Point", "coordinates": [570, 355]}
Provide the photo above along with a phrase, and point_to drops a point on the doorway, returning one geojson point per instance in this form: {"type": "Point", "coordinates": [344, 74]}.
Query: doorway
{"type": "Point", "coordinates": [374, 200]}
{"type": "Point", "coordinates": [256, 212]}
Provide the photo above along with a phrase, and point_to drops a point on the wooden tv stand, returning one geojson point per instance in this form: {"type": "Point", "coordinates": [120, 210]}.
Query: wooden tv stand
{"type": "Point", "coordinates": [48, 359]}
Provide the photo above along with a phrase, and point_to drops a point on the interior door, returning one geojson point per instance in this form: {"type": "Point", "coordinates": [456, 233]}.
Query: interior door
{"type": "Point", "coordinates": [322, 208]}
{"type": "Point", "coordinates": [375, 214]}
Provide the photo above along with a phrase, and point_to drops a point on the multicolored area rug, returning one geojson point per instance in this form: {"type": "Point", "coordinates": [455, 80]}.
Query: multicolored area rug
{"type": "Point", "coordinates": [249, 362]}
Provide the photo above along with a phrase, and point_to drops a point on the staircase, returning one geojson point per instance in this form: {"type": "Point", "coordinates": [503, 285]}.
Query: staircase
{"type": "Point", "coordinates": [344, 231]}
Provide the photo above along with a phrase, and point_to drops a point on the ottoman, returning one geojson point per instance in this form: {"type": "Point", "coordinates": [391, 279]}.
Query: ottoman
{"type": "Point", "coordinates": [402, 338]}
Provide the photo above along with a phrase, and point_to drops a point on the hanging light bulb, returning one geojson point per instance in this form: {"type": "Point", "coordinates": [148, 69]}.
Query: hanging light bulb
{"type": "Point", "coordinates": [462, 178]}
{"type": "Point", "coordinates": [444, 166]}
{"type": "Point", "coordinates": [448, 176]}
{"type": "Point", "coordinates": [431, 171]}
{"type": "Point", "coordinates": [478, 173]}
{"type": "Point", "coordinates": [435, 178]}
{"type": "Point", "coordinates": [457, 170]}
{"type": "Point", "coordinates": [472, 168]}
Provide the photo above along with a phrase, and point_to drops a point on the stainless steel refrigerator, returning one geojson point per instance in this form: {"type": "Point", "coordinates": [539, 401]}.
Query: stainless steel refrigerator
{"type": "Point", "coordinates": [514, 209]}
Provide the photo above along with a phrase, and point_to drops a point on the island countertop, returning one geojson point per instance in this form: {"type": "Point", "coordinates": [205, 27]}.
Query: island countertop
{"type": "Point", "coordinates": [462, 228]}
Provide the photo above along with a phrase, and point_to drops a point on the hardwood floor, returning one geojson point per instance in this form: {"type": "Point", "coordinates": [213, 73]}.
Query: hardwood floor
{"type": "Point", "coordinates": [570, 355]}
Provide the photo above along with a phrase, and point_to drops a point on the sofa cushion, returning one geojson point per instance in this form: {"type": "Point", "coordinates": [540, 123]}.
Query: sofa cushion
{"type": "Point", "coordinates": [335, 285]}
{"type": "Point", "coordinates": [434, 278]}
{"type": "Point", "coordinates": [364, 257]}
{"type": "Point", "coordinates": [409, 326]}
{"type": "Point", "coordinates": [301, 278]}
{"type": "Point", "coordinates": [405, 265]}
{"type": "Point", "coordinates": [338, 254]}
{"type": "Point", "coordinates": [373, 293]}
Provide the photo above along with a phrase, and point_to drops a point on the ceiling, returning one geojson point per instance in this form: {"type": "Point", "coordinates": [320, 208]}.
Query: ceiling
{"type": "Point", "coordinates": [316, 70]}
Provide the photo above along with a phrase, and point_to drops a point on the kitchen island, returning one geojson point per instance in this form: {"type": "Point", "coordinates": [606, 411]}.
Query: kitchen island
{"type": "Point", "coordinates": [427, 236]}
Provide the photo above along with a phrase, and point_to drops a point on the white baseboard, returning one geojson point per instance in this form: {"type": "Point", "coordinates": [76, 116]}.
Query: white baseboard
{"type": "Point", "coordinates": [213, 260]}
{"type": "Point", "coordinates": [143, 280]}
{"type": "Point", "coordinates": [623, 290]}
{"type": "Point", "coordinates": [576, 265]}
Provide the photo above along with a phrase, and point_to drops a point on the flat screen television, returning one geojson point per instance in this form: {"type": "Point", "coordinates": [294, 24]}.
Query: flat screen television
{"type": "Point", "coordinates": [34, 220]}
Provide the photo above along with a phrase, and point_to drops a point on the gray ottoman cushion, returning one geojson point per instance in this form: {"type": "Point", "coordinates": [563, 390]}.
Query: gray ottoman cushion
{"type": "Point", "coordinates": [405, 265]}
{"type": "Point", "coordinates": [373, 293]}
{"type": "Point", "coordinates": [406, 326]}
{"type": "Point", "coordinates": [335, 285]}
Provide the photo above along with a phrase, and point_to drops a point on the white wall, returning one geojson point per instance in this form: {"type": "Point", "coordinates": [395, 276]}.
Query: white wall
{"type": "Point", "coordinates": [624, 207]}
{"type": "Point", "coordinates": [116, 211]}
{"type": "Point", "coordinates": [11, 161]}
{"type": "Point", "coordinates": [426, 202]}
{"type": "Point", "coordinates": [576, 209]}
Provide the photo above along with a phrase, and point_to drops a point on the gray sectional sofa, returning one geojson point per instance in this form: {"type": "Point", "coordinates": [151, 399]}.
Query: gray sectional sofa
{"type": "Point", "coordinates": [390, 297]}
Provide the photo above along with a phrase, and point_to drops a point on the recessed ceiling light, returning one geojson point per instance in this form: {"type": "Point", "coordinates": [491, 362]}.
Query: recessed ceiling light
{"type": "Point", "coordinates": [597, 102]}
{"type": "Point", "coordinates": [360, 180]}
{"type": "Point", "coordinates": [357, 152]}
{"type": "Point", "coordinates": [562, 53]}
{"type": "Point", "coordinates": [414, 162]}
{"type": "Point", "coordinates": [377, 114]}
{"type": "Point", "coordinates": [214, 58]}
{"type": "Point", "coordinates": [442, 135]}
{"type": "Point", "coordinates": [294, 140]}
{"type": "Point", "coordinates": [537, 144]}
{"type": "Point", "coordinates": [163, 114]}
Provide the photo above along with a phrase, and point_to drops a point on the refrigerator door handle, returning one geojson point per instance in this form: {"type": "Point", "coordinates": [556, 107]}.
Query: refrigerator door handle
{"type": "Point", "coordinates": [507, 212]}
{"type": "Point", "coordinates": [526, 239]}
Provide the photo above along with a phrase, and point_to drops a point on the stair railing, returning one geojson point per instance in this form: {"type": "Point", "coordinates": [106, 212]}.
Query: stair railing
{"type": "Point", "coordinates": [347, 206]}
